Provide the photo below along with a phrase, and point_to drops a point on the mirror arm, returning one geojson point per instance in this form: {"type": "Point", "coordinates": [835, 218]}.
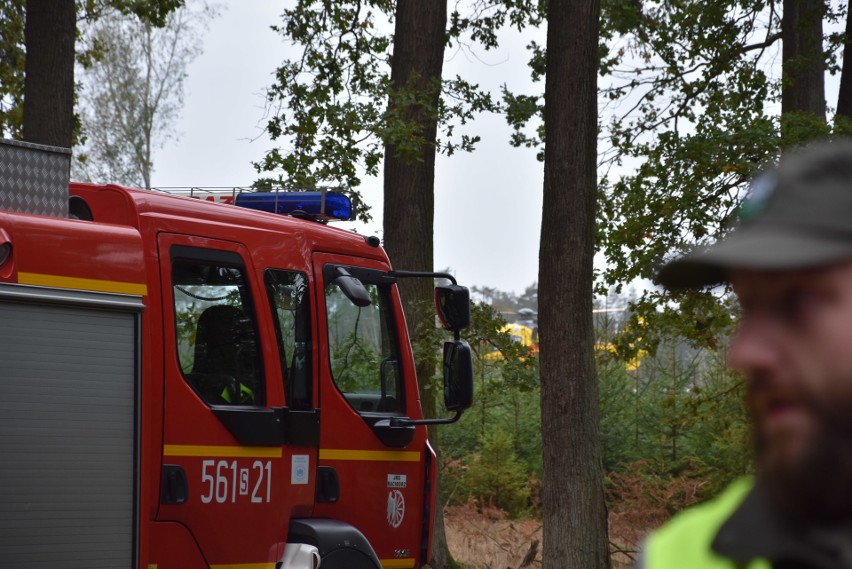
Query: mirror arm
{"type": "Point", "coordinates": [406, 422]}
{"type": "Point", "coordinates": [422, 274]}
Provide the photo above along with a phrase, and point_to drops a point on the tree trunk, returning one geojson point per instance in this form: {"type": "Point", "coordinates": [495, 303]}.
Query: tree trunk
{"type": "Point", "coordinates": [409, 180]}
{"type": "Point", "coordinates": [803, 64]}
{"type": "Point", "coordinates": [844, 97]}
{"type": "Point", "coordinates": [49, 33]}
{"type": "Point", "coordinates": [574, 510]}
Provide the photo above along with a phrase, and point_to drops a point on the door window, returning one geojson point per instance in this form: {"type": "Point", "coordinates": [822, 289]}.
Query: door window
{"type": "Point", "coordinates": [288, 297]}
{"type": "Point", "coordinates": [216, 332]}
{"type": "Point", "coordinates": [364, 350]}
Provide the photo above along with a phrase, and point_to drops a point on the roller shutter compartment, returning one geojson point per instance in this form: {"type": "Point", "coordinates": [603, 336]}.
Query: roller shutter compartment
{"type": "Point", "coordinates": [68, 383]}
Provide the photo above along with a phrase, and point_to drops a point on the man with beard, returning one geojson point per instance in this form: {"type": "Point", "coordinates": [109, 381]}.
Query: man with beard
{"type": "Point", "coordinates": [790, 264]}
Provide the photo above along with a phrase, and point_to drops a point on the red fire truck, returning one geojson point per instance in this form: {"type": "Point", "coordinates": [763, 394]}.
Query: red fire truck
{"type": "Point", "coordinates": [191, 385]}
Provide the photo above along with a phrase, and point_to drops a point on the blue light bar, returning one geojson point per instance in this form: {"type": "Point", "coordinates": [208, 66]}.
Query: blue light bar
{"type": "Point", "coordinates": [337, 205]}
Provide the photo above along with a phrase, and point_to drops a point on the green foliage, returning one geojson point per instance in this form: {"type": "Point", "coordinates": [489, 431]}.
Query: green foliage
{"type": "Point", "coordinates": [692, 100]}
{"type": "Point", "coordinates": [355, 365]}
{"type": "Point", "coordinates": [326, 101]}
{"type": "Point", "coordinates": [494, 349]}
{"type": "Point", "coordinates": [495, 476]}
{"type": "Point", "coordinates": [13, 52]}
{"type": "Point", "coordinates": [673, 424]}
{"type": "Point", "coordinates": [505, 420]}
{"type": "Point", "coordinates": [481, 21]}
{"type": "Point", "coordinates": [695, 123]}
{"type": "Point", "coordinates": [155, 12]}
{"type": "Point", "coordinates": [11, 68]}
{"type": "Point", "coordinates": [335, 109]}
{"type": "Point", "coordinates": [689, 96]}
{"type": "Point", "coordinates": [680, 414]}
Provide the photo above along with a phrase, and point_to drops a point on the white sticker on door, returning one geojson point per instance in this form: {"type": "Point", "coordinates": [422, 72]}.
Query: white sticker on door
{"type": "Point", "coordinates": [397, 480]}
{"type": "Point", "coordinates": [299, 470]}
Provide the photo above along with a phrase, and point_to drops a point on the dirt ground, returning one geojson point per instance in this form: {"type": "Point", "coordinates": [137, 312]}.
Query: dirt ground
{"type": "Point", "coordinates": [487, 540]}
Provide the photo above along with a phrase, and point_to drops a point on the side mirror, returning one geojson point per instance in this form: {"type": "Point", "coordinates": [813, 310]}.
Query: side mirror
{"type": "Point", "coordinates": [352, 288]}
{"type": "Point", "coordinates": [453, 305]}
{"type": "Point", "coordinates": [458, 376]}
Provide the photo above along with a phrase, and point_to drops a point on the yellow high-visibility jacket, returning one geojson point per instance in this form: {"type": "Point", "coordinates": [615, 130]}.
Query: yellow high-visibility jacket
{"type": "Point", "coordinates": [686, 540]}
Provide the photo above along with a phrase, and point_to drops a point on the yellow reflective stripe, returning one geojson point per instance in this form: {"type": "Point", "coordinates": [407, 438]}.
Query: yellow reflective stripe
{"type": "Point", "coordinates": [245, 566]}
{"type": "Point", "coordinates": [96, 285]}
{"type": "Point", "coordinates": [406, 563]}
{"type": "Point", "coordinates": [389, 455]}
{"type": "Point", "coordinates": [275, 452]}
{"type": "Point", "coordinates": [222, 451]}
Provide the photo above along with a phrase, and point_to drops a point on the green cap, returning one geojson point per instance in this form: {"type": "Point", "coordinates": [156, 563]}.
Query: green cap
{"type": "Point", "coordinates": [797, 215]}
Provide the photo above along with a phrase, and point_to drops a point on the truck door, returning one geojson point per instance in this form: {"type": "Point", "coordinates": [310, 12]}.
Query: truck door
{"type": "Point", "coordinates": [366, 377]}
{"type": "Point", "coordinates": [226, 473]}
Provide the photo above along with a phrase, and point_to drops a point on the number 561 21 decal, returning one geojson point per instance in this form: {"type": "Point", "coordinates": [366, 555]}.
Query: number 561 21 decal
{"type": "Point", "coordinates": [225, 481]}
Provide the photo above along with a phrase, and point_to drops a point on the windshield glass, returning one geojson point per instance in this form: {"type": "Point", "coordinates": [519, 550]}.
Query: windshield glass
{"type": "Point", "coordinates": [364, 350]}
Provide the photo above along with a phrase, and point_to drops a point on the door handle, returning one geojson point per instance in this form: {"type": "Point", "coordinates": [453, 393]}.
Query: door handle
{"type": "Point", "coordinates": [174, 487]}
{"type": "Point", "coordinates": [328, 485]}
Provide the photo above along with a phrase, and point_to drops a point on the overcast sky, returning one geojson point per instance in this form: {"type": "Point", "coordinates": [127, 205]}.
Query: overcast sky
{"type": "Point", "coordinates": [487, 204]}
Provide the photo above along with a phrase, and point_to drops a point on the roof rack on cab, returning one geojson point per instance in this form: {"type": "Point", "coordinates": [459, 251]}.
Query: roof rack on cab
{"type": "Point", "coordinates": [316, 204]}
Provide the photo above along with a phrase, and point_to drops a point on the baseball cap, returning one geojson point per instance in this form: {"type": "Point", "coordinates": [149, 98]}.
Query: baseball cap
{"type": "Point", "coordinates": [796, 215]}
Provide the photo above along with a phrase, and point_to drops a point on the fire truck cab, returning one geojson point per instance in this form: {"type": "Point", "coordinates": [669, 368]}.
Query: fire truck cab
{"type": "Point", "coordinates": [198, 385]}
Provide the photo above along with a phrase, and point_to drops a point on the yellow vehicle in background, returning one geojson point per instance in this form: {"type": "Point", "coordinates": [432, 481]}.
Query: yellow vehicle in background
{"type": "Point", "coordinates": [525, 332]}
{"type": "Point", "coordinates": [523, 335]}
{"type": "Point", "coordinates": [520, 334]}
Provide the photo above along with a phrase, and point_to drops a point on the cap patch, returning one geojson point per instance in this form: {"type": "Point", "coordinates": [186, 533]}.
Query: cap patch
{"type": "Point", "coordinates": [760, 190]}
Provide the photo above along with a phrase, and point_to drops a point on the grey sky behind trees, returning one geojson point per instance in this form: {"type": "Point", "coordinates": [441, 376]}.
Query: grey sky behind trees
{"type": "Point", "coordinates": [488, 203]}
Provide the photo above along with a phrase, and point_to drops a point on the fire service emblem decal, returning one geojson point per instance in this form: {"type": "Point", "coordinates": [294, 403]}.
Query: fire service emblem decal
{"type": "Point", "coordinates": [396, 508]}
